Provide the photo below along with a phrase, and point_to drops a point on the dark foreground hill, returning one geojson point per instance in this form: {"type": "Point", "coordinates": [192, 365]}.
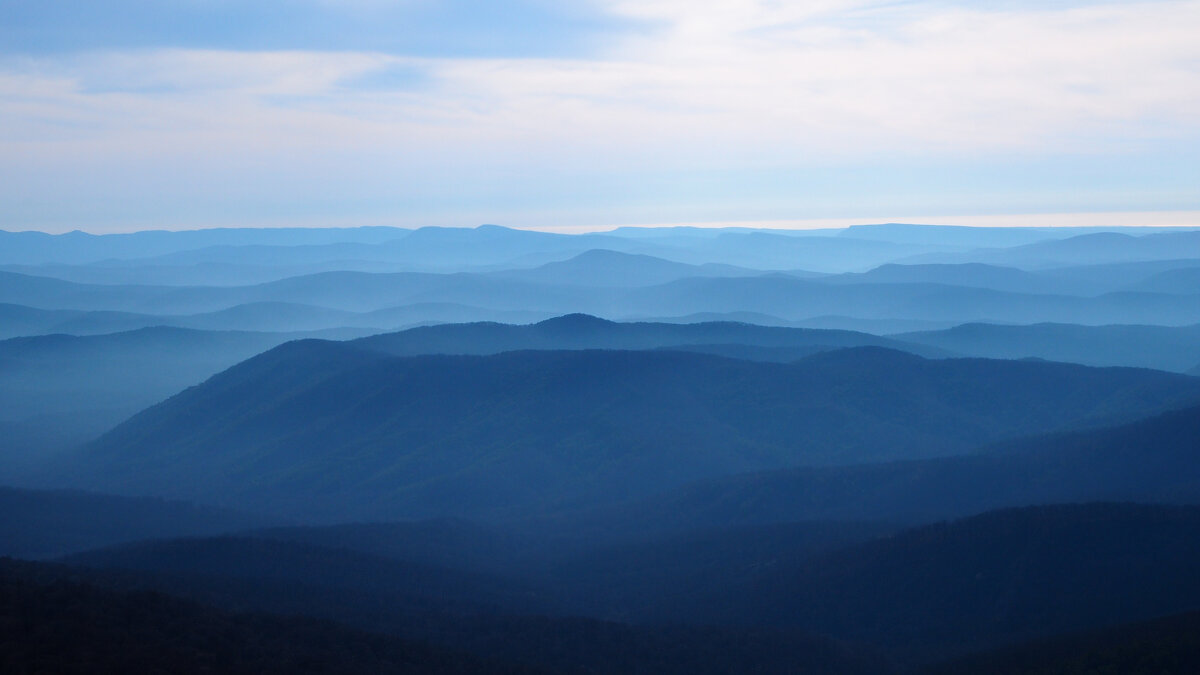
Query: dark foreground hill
{"type": "Point", "coordinates": [55, 624]}
{"type": "Point", "coordinates": [571, 645]}
{"type": "Point", "coordinates": [325, 430]}
{"type": "Point", "coordinates": [922, 595]}
{"type": "Point", "coordinates": [1154, 460]}
{"type": "Point", "coordinates": [1000, 577]}
{"type": "Point", "coordinates": [290, 563]}
{"type": "Point", "coordinates": [1167, 645]}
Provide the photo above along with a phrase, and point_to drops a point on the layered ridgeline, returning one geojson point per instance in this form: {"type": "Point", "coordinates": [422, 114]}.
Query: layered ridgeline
{"type": "Point", "coordinates": [920, 595]}
{"type": "Point", "coordinates": [59, 391]}
{"type": "Point", "coordinates": [1175, 348]}
{"type": "Point", "coordinates": [49, 523]}
{"type": "Point", "coordinates": [1087, 249]}
{"type": "Point", "coordinates": [86, 620]}
{"type": "Point", "coordinates": [1169, 644]}
{"type": "Point", "coordinates": [612, 284]}
{"type": "Point", "coordinates": [458, 249]}
{"type": "Point", "coordinates": [854, 248]}
{"type": "Point", "coordinates": [332, 430]}
{"type": "Point", "coordinates": [56, 623]}
{"type": "Point", "coordinates": [999, 577]}
{"type": "Point", "coordinates": [266, 316]}
{"type": "Point", "coordinates": [1151, 460]}
{"type": "Point", "coordinates": [581, 331]}
{"type": "Point", "coordinates": [786, 296]}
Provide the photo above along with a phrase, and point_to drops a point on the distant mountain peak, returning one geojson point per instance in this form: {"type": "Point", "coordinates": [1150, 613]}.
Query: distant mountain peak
{"type": "Point", "coordinates": [576, 321]}
{"type": "Point", "coordinates": [608, 253]}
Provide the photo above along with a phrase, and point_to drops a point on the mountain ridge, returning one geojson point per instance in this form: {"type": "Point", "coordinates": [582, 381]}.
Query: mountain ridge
{"type": "Point", "coordinates": [383, 435]}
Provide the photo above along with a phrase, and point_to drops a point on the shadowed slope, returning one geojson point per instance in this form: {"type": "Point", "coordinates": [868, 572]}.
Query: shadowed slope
{"type": "Point", "coordinates": [331, 430]}
{"type": "Point", "coordinates": [1167, 645]}
{"type": "Point", "coordinates": [54, 623]}
{"type": "Point", "coordinates": [1151, 460]}
{"type": "Point", "coordinates": [998, 577]}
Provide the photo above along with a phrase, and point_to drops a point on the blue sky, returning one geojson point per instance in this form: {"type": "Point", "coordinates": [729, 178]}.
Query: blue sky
{"type": "Point", "coordinates": [135, 114]}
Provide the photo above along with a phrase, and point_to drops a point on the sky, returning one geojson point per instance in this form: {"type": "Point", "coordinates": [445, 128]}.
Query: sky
{"type": "Point", "coordinates": [135, 114]}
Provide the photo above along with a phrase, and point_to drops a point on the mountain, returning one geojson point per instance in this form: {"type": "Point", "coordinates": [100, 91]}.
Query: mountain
{"type": "Point", "coordinates": [783, 295]}
{"type": "Point", "coordinates": [765, 250]}
{"type": "Point", "coordinates": [345, 291]}
{"type": "Point", "coordinates": [447, 312]}
{"type": "Point", "coordinates": [972, 275]}
{"type": "Point", "coordinates": [445, 542]}
{"type": "Point", "coordinates": [600, 267]}
{"type": "Point", "coordinates": [1151, 460]}
{"type": "Point", "coordinates": [254, 271]}
{"type": "Point", "coordinates": [335, 431]}
{"type": "Point", "coordinates": [296, 564]}
{"type": "Point", "coordinates": [267, 316]}
{"type": "Point", "coordinates": [1087, 249]}
{"type": "Point", "coordinates": [970, 237]}
{"type": "Point", "coordinates": [46, 293]}
{"type": "Point", "coordinates": [279, 255]}
{"type": "Point", "coordinates": [1165, 645]}
{"type": "Point", "coordinates": [50, 523]}
{"type": "Point", "coordinates": [1184, 281]}
{"type": "Point", "coordinates": [631, 580]}
{"type": "Point", "coordinates": [363, 292]}
{"type": "Point", "coordinates": [1174, 348]}
{"type": "Point", "coordinates": [425, 249]}
{"type": "Point", "coordinates": [887, 327]}
{"type": "Point", "coordinates": [796, 299]}
{"type": "Point", "coordinates": [879, 327]}
{"type": "Point", "coordinates": [81, 247]}
{"type": "Point", "coordinates": [55, 623]}
{"type": "Point", "coordinates": [16, 320]}
{"type": "Point", "coordinates": [996, 578]}
{"type": "Point", "coordinates": [23, 321]}
{"type": "Point", "coordinates": [607, 576]}
{"type": "Point", "coordinates": [924, 594]}
{"type": "Point", "coordinates": [557, 644]}
{"type": "Point", "coordinates": [1123, 275]}
{"type": "Point", "coordinates": [580, 331]}
{"type": "Point", "coordinates": [68, 389]}
{"type": "Point", "coordinates": [451, 247]}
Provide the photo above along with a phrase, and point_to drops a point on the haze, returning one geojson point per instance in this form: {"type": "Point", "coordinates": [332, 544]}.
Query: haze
{"type": "Point", "coordinates": [437, 337]}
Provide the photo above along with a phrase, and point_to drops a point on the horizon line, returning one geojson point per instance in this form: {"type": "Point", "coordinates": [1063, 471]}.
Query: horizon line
{"type": "Point", "coordinates": [1067, 220]}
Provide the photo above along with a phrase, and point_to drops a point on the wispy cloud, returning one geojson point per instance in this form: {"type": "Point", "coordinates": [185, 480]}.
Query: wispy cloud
{"type": "Point", "coordinates": [722, 85]}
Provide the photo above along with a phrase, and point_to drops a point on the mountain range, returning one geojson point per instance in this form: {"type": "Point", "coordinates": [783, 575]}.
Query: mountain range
{"type": "Point", "coordinates": [877, 450]}
{"type": "Point", "coordinates": [1150, 460]}
{"type": "Point", "coordinates": [339, 431]}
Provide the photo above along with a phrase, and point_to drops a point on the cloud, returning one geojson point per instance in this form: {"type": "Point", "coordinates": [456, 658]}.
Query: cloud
{"type": "Point", "coordinates": [751, 78]}
{"type": "Point", "coordinates": [723, 85]}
